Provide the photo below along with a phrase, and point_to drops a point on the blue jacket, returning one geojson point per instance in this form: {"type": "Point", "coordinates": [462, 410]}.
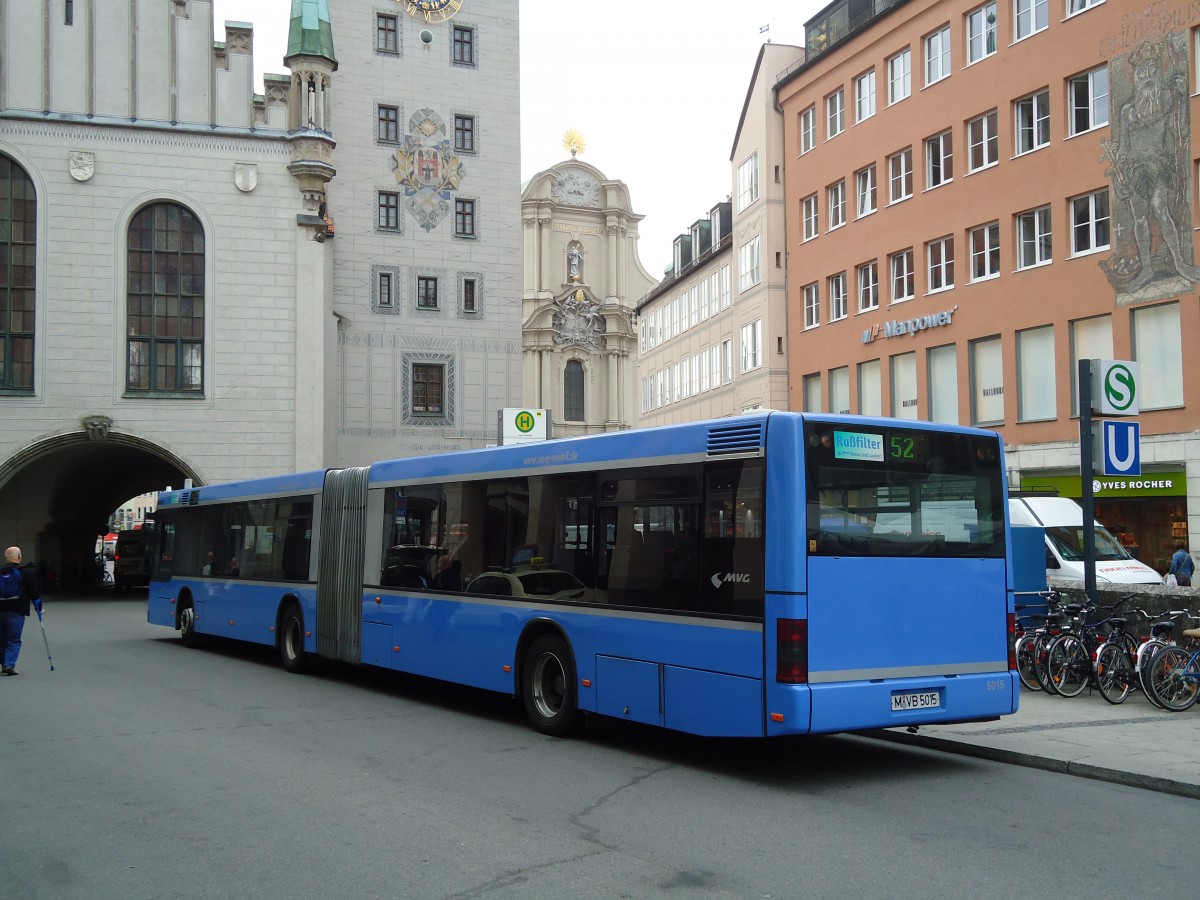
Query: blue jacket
{"type": "Point", "coordinates": [31, 589]}
{"type": "Point", "coordinates": [1181, 564]}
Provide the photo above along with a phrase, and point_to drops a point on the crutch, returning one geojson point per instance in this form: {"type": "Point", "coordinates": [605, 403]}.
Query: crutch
{"type": "Point", "coordinates": [45, 640]}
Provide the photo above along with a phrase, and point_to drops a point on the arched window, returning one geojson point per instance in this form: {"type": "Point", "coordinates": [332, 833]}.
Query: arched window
{"type": "Point", "coordinates": [166, 301]}
{"type": "Point", "coordinates": [573, 391]}
{"type": "Point", "coordinates": [18, 250]}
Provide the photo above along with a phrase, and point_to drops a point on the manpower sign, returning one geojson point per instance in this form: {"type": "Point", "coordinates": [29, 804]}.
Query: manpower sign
{"type": "Point", "coordinates": [898, 327]}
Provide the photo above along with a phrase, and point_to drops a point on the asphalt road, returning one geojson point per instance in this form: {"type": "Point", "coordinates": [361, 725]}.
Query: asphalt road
{"type": "Point", "coordinates": [142, 769]}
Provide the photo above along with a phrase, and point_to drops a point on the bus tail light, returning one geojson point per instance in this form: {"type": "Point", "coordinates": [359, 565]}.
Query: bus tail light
{"type": "Point", "coordinates": [791, 651]}
{"type": "Point", "coordinates": [1012, 642]}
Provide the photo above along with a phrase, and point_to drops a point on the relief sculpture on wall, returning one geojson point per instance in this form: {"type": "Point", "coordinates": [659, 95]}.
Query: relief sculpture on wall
{"type": "Point", "coordinates": [577, 320]}
{"type": "Point", "coordinates": [1150, 167]}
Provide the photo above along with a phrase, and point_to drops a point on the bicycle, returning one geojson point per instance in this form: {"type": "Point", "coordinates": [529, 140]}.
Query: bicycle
{"type": "Point", "coordinates": [1161, 635]}
{"type": "Point", "coordinates": [1175, 674]}
{"type": "Point", "coordinates": [1033, 644]}
{"type": "Point", "coordinates": [1070, 661]}
{"type": "Point", "coordinates": [1116, 660]}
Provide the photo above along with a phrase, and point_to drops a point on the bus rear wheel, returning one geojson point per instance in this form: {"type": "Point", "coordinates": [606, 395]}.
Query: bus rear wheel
{"type": "Point", "coordinates": [291, 641]}
{"type": "Point", "coordinates": [549, 689]}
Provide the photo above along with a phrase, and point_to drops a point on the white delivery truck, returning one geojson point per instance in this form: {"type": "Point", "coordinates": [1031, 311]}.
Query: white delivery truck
{"type": "Point", "coordinates": [1062, 518]}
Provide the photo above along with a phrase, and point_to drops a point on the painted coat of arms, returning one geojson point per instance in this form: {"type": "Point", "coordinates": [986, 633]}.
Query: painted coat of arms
{"type": "Point", "coordinates": [428, 170]}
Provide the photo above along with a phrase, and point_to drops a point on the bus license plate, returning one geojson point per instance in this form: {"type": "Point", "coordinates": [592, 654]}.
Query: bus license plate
{"type": "Point", "coordinates": [905, 700]}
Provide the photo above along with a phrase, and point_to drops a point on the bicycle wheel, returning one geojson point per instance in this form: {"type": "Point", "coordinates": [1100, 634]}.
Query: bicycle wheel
{"type": "Point", "coordinates": [1114, 672]}
{"type": "Point", "coordinates": [1041, 654]}
{"type": "Point", "coordinates": [1145, 663]}
{"type": "Point", "coordinates": [1174, 679]}
{"type": "Point", "coordinates": [1024, 652]}
{"type": "Point", "coordinates": [1069, 665]}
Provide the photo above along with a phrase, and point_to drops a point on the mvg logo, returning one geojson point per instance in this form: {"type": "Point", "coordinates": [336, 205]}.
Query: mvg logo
{"type": "Point", "coordinates": [738, 577]}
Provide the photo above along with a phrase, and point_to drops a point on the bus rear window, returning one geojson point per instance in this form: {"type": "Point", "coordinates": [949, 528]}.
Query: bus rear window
{"type": "Point", "coordinates": [891, 491]}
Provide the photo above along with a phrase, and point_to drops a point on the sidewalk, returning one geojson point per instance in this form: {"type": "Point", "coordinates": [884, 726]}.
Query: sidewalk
{"type": "Point", "coordinates": [1135, 743]}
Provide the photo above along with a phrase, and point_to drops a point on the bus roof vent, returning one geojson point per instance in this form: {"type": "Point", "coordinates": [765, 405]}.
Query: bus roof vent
{"type": "Point", "coordinates": [189, 498]}
{"type": "Point", "coordinates": [742, 438]}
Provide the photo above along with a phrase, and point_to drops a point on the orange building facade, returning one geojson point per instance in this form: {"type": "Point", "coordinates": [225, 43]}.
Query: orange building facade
{"type": "Point", "coordinates": [980, 194]}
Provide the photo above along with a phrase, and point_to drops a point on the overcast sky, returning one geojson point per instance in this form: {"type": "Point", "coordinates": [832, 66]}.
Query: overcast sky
{"type": "Point", "coordinates": [655, 88]}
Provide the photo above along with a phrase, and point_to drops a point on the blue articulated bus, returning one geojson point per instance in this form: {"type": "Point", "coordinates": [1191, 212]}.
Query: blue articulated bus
{"type": "Point", "coordinates": [777, 573]}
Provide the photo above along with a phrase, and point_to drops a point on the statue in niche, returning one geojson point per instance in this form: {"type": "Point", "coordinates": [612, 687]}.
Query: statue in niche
{"type": "Point", "coordinates": [574, 264]}
{"type": "Point", "coordinates": [1150, 157]}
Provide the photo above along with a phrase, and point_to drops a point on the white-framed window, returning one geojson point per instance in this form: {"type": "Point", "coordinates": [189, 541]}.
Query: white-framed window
{"type": "Point", "coordinates": [808, 215]}
{"type": "Point", "coordinates": [903, 277]}
{"type": "Point", "coordinates": [983, 144]}
{"type": "Point", "coordinates": [1036, 397]}
{"type": "Point", "coordinates": [985, 251]}
{"type": "Point", "coordinates": [1091, 338]}
{"type": "Point", "coordinates": [981, 32]}
{"type": "Point", "coordinates": [870, 388]}
{"type": "Point", "coordinates": [837, 297]}
{"type": "Point", "coordinates": [939, 159]}
{"type": "Point", "coordinates": [749, 273]}
{"type": "Point", "coordinates": [695, 373]}
{"type": "Point", "coordinates": [752, 345]}
{"type": "Point", "coordinates": [868, 286]}
{"type": "Point", "coordinates": [1033, 122]}
{"type": "Point", "coordinates": [716, 366]}
{"type": "Point", "coordinates": [1158, 349]}
{"type": "Point", "coordinates": [727, 360]}
{"type": "Point", "coordinates": [904, 385]}
{"type": "Point", "coordinates": [694, 306]}
{"type": "Point", "coordinates": [714, 294]}
{"type": "Point", "coordinates": [937, 55]}
{"type": "Point", "coordinates": [835, 113]}
{"type": "Point", "coordinates": [900, 175]}
{"type": "Point", "coordinates": [808, 129]}
{"type": "Point", "coordinates": [1033, 238]}
{"type": "Point", "coordinates": [837, 204]}
{"type": "Point", "coordinates": [812, 305]}
{"type": "Point", "coordinates": [1029, 17]}
{"type": "Point", "coordinates": [941, 373]}
{"type": "Point", "coordinates": [812, 392]}
{"type": "Point", "coordinates": [987, 382]}
{"type": "Point", "coordinates": [839, 390]}
{"type": "Point", "coordinates": [1087, 100]}
{"type": "Point", "coordinates": [899, 76]}
{"type": "Point", "coordinates": [940, 254]}
{"type": "Point", "coordinates": [864, 96]}
{"type": "Point", "coordinates": [747, 181]}
{"type": "Point", "coordinates": [1089, 223]}
{"type": "Point", "coordinates": [703, 299]}
{"type": "Point", "coordinates": [705, 375]}
{"type": "Point", "coordinates": [726, 286]}
{"type": "Point", "coordinates": [864, 181]}
{"type": "Point", "coordinates": [1078, 6]}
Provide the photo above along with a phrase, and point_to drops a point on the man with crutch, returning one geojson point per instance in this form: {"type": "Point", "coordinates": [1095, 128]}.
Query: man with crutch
{"type": "Point", "coordinates": [19, 589]}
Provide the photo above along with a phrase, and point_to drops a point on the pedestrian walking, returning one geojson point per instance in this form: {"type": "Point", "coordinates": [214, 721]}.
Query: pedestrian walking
{"type": "Point", "coordinates": [20, 589]}
{"type": "Point", "coordinates": [1182, 566]}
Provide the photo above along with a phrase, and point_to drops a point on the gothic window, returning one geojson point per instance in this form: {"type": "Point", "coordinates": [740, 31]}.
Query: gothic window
{"type": "Point", "coordinates": [165, 314]}
{"type": "Point", "coordinates": [573, 391]}
{"type": "Point", "coordinates": [18, 251]}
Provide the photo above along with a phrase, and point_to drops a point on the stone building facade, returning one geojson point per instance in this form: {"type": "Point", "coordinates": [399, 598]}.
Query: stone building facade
{"type": "Point", "coordinates": [582, 277]}
{"type": "Point", "coordinates": [201, 282]}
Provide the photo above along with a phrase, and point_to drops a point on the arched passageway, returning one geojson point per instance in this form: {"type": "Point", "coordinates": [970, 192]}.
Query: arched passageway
{"type": "Point", "coordinates": [56, 496]}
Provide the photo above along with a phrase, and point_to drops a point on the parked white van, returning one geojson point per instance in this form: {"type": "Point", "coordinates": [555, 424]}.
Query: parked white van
{"type": "Point", "coordinates": [1062, 518]}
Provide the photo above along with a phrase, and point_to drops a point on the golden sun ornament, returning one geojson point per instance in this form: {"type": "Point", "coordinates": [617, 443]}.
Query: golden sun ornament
{"type": "Point", "coordinates": [573, 142]}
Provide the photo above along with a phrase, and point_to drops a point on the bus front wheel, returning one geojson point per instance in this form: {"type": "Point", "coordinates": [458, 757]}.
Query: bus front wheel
{"type": "Point", "coordinates": [291, 641]}
{"type": "Point", "coordinates": [548, 687]}
{"type": "Point", "coordinates": [187, 625]}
